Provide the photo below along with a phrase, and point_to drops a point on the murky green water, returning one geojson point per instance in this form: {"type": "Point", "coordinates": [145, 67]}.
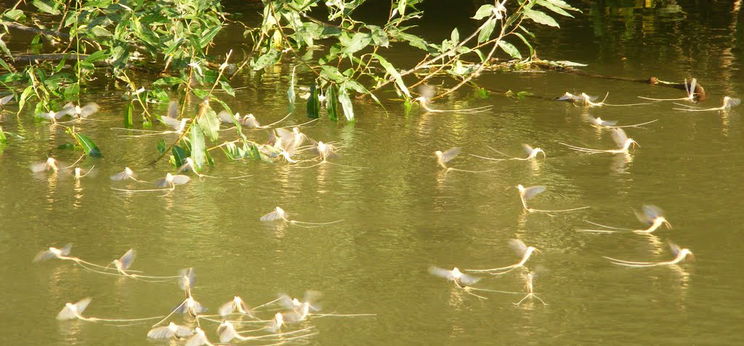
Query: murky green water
{"type": "Point", "coordinates": [401, 215]}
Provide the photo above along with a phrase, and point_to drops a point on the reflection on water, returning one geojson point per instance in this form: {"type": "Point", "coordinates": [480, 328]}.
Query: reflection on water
{"type": "Point", "coordinates": [402, 213]}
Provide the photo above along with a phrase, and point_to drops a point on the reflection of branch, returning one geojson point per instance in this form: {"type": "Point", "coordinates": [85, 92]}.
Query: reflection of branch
{"type": "Point", "coordinates": [22, 27]}
{"type": "Point", "coordinates": [45, 57]}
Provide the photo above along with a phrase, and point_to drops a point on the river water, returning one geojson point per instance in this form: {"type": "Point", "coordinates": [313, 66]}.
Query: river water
{"type": "Point", "coordinates": [401, 214]}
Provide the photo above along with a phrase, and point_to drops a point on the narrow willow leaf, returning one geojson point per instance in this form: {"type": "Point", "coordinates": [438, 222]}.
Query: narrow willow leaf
{"type": "Point", "coordinates": [25, 95]}
{"type": "Point", "coordinates": [541, 18]}
{"type": "Point", "coordinates": [89, 147]}
{"type": "Point", "coordinates": [562, 4]}
{"type": "Point", "coordinates": [526, 43]}
{"type": "Point", "coordinates": [510, 49]}
{"type": "Point", "coordinates": [553, 8]}
{"type": "Point", "coordinates": [198, 146]}
{"type": "Point", "coordinates": [128, 121]}
{"type": "Point", "coordinates": [227, 88]}
{"type": "Point", "coordinates": [15, 15]}
{"type": "Point", "coordinates": [313, 103]}
{"type": "Point", "coordinates": [345, 100]}
{"type": "Point", "coordinates": [455, 36]}
{"type": "Point", "coordinates": [3, 47]}
{"type": "Point", "coordinates": [209, 123]}
{"type": "Point", "coordinates": [390, 69]}
{"type": "Point", "coordinates": [45, 7]}
{"type": "Point", "coordinates": [402, 7]}
{"type": "Point", "coordinates": [487, 30]}
{"type": "Point", "coordinates": [483, 12]}
{"type": "Point", "coordinates": [3, 138]}
{"type": "Point", "coordinates": [100, 31]}
{"type": "Point", "coordinates": [266, 60]}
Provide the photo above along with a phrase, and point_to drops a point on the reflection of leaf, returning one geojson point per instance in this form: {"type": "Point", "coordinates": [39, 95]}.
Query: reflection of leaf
{"type": "Point", "coordinates": [332, 102]}
{"type": "Point", "coordinates": [313, 103]}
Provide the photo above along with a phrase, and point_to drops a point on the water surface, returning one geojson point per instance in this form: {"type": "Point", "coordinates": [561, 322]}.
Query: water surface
{"type": "Point", "coordinates": [401, 214]}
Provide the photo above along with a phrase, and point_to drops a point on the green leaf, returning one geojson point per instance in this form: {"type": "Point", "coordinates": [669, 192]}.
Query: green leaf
{"type": "Point", "coordinates": [390, 69]}
{"type": "Point", "coordinates": [355, 43]}
{"type": "Point", "coordinates": [332, 73]}
{"type": "Point", "coordinates": [3, 47]}
{"type": "Point", "coordinates": [227, 88]}
{"type": "Point", "coordinates": [541, 18]}
{"type": "Point", "coordinates": [483, 12]}
{"type": "Point", "coordinates": [265, 60]}
{"type": "Point", "coordinates": [25, 95]}
{"type": "Point", "coordinates": [455, 36]}
{"type": "Point", "coordinates": [527, 43]}
{"type": "Point", "coordinates": [72, 91]}
{"type": "Point", "coordinates": [345, 100]}
{"type": "Point", "coordinates": [209, 35]}
{"type": "Point", "coordinates": [3, 138]}
{"type": "Point", "coordinates": [161, 146]}
{"type": "Point", "coordinates": [510, 49]}
{"type": "Point", "coordinates": [554, 8]}
{"type": "Point", "coordinates": [402, 7]}
{"type": "Point", "coordinates": [89, 147]}
{"type": "Point", "coordinates": [97, 56]}
{"type": "Point", "coordinates": [15, 15]}
{"type": "Point", "coordinates": [209, 123]}
{"type": "Point", "coordinates": [100, 31]}
{"type": "Point", "coordinates": [313, 103]}
{"type": "Point", "coordinates": [45, 7]}
{"type": "Point", "coordinates": [128, 110]}
{"type": "Point", "coordinates": [198, 146]}
{"type": "Point", "coordinates": [562, 4]}
{"type": "Point", "coordinates": [179, 155]}
{"type": "Point", "coordinates": [487, 30]}
{"type": "Point", "coordinates": [379, 36]}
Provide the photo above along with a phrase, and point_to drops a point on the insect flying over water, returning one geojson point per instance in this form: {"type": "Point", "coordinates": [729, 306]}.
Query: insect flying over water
{"type": "Point", "coordinates": [693, 93]}
{"type": "Point", "coordinates": [623, 142]}
{"type": "Point", "coordinates": [527, 193]}
{"type": "Point", "coordinates": [532, 154]}
{"type": "Point", "coordinates": [521, 249]}
{"type": "Point", "coordinates": [74, 311]}
{"type": "Point", "coordinates": [428, 92]}
{"type": "Point", "coordinates": [279, 215]}
{"type": "Point", "coordinates": [680, 255]}
{"type": "Point", "coordinates": [728, 103]}
{"type": "Point", "coordinates": [650, 215]}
